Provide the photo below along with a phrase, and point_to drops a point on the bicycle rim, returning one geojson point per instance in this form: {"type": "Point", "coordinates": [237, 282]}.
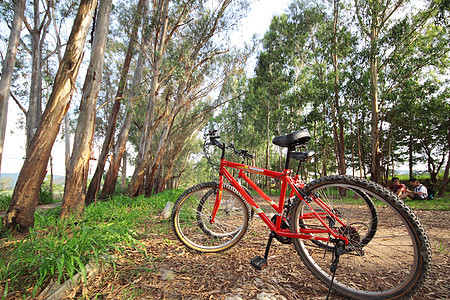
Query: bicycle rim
{"type": "Point", "coordinates": [191, 217]}
{"type": "Point", "coordinates": [386, 261]}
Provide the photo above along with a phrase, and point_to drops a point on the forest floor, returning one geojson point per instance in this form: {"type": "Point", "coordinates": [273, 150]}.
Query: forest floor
{"type": "Point", "coordinates": [171, 271]}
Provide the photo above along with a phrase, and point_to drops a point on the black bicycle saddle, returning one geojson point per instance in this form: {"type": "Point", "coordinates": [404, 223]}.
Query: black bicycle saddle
{"type": "Point", "coordinates": [296, 138]}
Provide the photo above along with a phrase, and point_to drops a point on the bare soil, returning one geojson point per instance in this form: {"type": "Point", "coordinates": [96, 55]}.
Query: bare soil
{"type": "Point", "coordinates": [171, 271]}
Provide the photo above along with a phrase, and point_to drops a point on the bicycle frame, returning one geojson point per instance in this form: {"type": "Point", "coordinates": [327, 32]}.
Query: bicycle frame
{"type": "Point", "coordinates": [286, 180]}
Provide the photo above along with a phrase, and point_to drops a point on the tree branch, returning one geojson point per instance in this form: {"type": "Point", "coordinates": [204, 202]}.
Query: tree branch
{"type": "Point", "coordinates": [18, 103]}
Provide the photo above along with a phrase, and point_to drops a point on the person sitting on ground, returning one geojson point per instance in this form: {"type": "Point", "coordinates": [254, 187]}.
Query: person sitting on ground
{"type": "Point", "coordinates": [420, 191]}
{"type": "Point", "coordinates": [397, 187]}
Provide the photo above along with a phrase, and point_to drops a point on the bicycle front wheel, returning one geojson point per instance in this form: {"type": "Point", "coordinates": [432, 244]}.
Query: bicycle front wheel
{"type": "Point", "coordinates": [388, 255]}
{"type": "Point", "coordinates": [192, 215]}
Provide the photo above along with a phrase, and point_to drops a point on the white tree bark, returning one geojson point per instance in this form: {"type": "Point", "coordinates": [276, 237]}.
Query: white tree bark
{"type": "Point", "coordinates": [8, 68]}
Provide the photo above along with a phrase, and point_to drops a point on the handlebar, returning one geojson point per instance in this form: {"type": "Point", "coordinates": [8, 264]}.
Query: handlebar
{"type": "Point", "coordinates": [213, 138]}
{"type": "Point", "coordinates": [242, 153]}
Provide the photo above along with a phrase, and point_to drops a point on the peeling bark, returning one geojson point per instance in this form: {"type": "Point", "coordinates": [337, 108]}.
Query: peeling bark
{"type": "Point", "coordinates": [77, 173]}
{"type": "Point", "coordinates": [20, 215]}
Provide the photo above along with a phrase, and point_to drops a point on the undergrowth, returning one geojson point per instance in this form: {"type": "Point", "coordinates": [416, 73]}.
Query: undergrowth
{"type": "Point", "coordinates": [55, 250]}
{"type": "Point", "coordinates": [45, 197]}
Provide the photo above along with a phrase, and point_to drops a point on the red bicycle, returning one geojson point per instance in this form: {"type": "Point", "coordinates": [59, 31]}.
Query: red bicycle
{"type": "Point", "coordinates": [335, 222]}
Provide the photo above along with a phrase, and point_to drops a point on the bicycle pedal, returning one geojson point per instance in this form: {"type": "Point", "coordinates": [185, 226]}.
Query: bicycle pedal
{"type": "Point", "coordinates": [259, 262]}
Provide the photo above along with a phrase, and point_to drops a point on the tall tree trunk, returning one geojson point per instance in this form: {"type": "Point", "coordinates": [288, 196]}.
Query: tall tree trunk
{"type": "Point", "coordinates": [316, 163]}
{"type": "Point", "coordinates": [375, 169]}
{"type": "Point", "coordinates": [353, 154]}
{"type": "Point", "coordinates": [338, 123]}
{"type": "Point", "coordinates": [157, 159]}
{"type": "Point", "coordinates": [119, 149]}
{"type": "Point", "coordinates": [94, 186]}
{"type": "Point", "coordinates": [149, 126]}
{"type": "Point", "coordinates": [447, 166]}
{"type": "Point", "coordinates": [124, 171]}
{"type": "Point", "coordinates": [66, 140]}
{"type": "Point", "coordinates": [20, 214]}
{"type": "Point", "coordinates": [35, 101]}
{"type": "Point", "coordinates": [76, 174]}
{"type": "Point", "coordinates": [67, 116]}
{"type": "Point", "coordinates": [445, 179]}
{"type": "Point", "coordinates": [410, 155]}
{"type": "Point", "coordinates": [8, 68]}
{"type": "Point", "coordinates": [360, 154]}
{"type": "Point", "coordinates": [51, 176]}
{"type": "Point", "coordinates": [120, 146]}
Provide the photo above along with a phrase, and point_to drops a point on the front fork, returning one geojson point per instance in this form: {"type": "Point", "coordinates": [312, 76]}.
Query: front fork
{"type": "Point", "coordinates": [218, 200]}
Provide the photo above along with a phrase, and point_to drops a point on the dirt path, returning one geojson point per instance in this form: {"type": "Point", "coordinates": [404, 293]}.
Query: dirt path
{"type": "Point", "coordinates": [39, 207]}
{"type": "Point", "coordinates": [172, 272]}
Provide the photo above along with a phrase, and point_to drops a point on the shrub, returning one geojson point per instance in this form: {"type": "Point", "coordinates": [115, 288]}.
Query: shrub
{"type": "Point", "coordinates": [5, 199]}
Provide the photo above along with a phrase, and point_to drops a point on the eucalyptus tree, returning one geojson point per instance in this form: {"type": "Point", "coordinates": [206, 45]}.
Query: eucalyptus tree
{"type": "Point", "coordinates": [161, 17]}
{"type": "Point", "coordinates": [94, 185]}
{"type": "Point", "coordinates": [300, 77]}
{"type": "Point", "coordinates": [271, 102]}
{"type": "Point", "coordinates": [433, 138]}
{"type": "Point", "coordinates": [134, 93]}
{"type": "Point", "coordinates": [190, 73]}
{"type": "Point", "coordinates": [392, 30]}
{"type": "Point", "coordinates": [408, 81]}
{"type": "Point", "coordinates": [420, 118]}
{"type": "Point", "coordinates": [8, 68]}
{"type": "Point", "coordinates": [179, 146]}
{"type": "Point", "coordinates": [20, 214]}
{"type": "Point", "coordinates": [445, 177]}
{"type": "Point", "coordinates": [59, 15]}
{"type": "Point", "coordinates": [184, 135]}
{"type": "Point", "coordinates": [359, 116]}
{"type": "Point", "coordinates": [38, 32]}
{"type": "Point", "coordinates": [77, 173]}
{"type": "Point", "coordinates": [35, 65]}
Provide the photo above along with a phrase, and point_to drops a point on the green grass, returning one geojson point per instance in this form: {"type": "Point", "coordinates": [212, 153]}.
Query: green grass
{"type": "Point", "coordinates": [438, 203]}
{"type": "Point", "coordinates": [57, 249]}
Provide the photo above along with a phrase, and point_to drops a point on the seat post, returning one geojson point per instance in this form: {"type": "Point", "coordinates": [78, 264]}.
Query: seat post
{"type": "Point", "coordinates": [288, 156]}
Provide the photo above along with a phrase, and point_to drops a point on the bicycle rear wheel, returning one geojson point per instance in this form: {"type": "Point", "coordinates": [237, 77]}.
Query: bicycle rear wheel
{"type": "Point", "coordinates": [191, 217]}
{"type": "Point", "coordinates": [387, 261]}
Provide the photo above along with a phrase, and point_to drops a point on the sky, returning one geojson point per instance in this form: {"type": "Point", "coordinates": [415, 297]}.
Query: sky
{"type": "Point", "coordinates": [257, 22]}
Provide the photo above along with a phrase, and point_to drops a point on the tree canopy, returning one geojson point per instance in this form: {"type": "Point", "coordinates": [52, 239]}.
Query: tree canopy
{"type": "Point", "coordinates": [368, 79]}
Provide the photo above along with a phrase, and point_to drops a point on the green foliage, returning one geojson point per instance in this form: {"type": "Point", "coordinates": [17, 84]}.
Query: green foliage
{"type": "Point", "coordinates": [5, 199]}
{"type": "Point", "coordinates": [58, 249]}
{"type": "Point", "coordinates": [295, 87]}
{"type": "Point", "coordinates": [45, 196]}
